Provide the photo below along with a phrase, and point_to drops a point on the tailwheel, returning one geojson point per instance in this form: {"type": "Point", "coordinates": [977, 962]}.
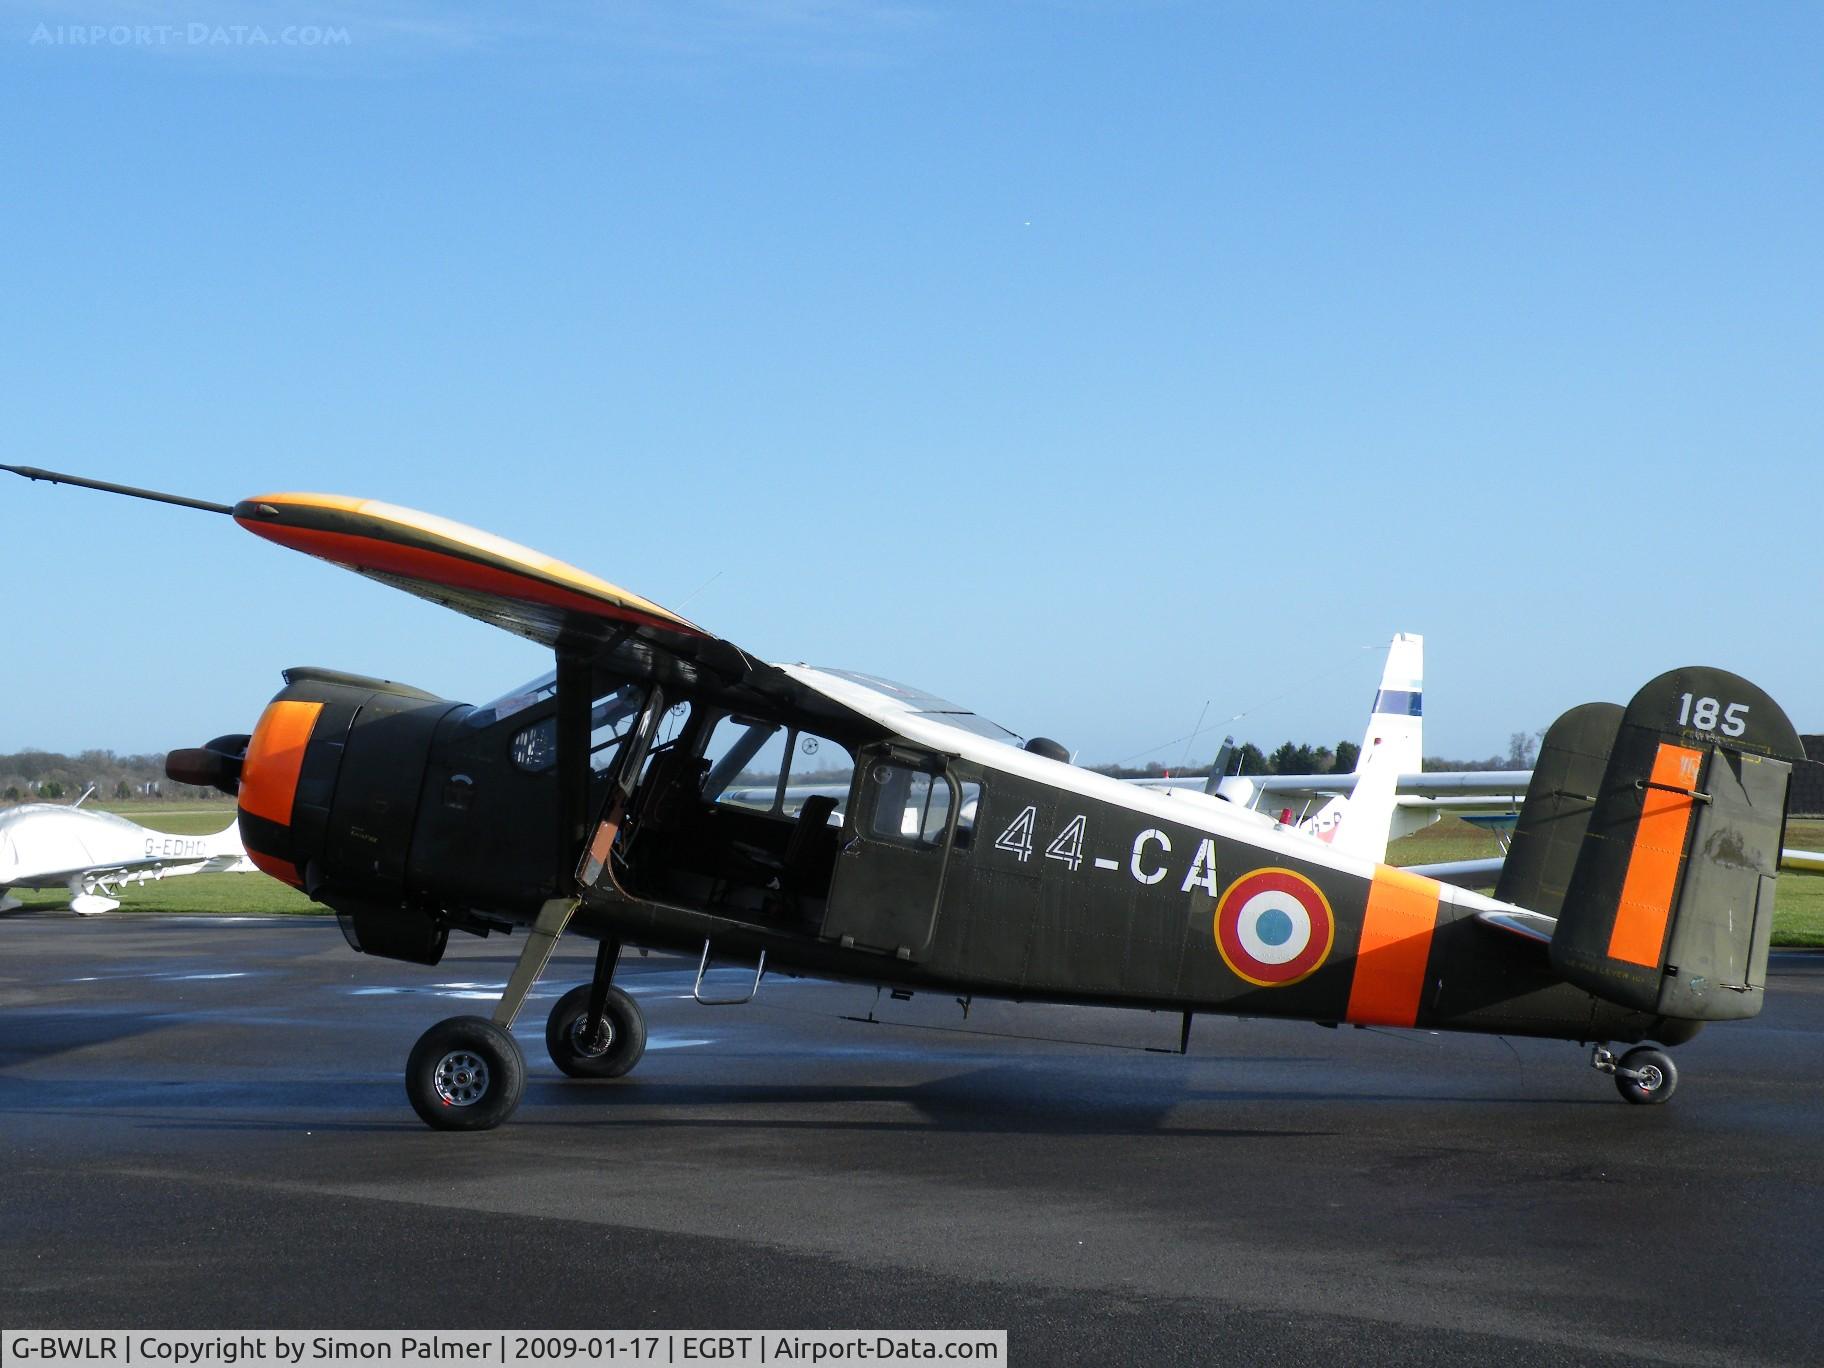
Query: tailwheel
{"type": "Point", "coordinates": [1646, 1076]}
{"type": "Point", "coordinates": [465, 1073]}
{"type": "Point", "coordinates": [610, 1050]}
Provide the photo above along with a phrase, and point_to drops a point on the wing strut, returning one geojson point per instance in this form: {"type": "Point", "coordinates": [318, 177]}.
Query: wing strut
{"type": "Point", "coordinates": [56, 477]}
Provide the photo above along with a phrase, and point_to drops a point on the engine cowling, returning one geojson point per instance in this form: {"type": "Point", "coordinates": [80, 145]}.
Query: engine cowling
{"type": "Point", "coordinates": [328, 796]}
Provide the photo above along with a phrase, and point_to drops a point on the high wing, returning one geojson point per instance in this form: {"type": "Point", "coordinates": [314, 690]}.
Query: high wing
{"type": "Point", "coordinates": [474, 572]}
{"type": "Point", "coordinates": [523, 591]}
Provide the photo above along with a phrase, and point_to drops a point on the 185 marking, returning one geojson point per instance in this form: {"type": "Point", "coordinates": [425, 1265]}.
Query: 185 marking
{"type": "Point", "coordinates": [1705, 713]}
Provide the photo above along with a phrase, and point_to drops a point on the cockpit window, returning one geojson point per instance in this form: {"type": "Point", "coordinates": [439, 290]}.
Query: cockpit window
{"type": "Point", "coordinates": [534, 748]}
{"type": "Point", "coordinates": [518, 700]}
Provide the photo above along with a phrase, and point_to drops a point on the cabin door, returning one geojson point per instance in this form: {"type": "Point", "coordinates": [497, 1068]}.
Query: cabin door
{"type": "Point", "coordinates": [896, 847]}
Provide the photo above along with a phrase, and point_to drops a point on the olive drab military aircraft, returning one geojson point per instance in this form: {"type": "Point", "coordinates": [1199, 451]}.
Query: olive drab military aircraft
{"type": "Point", "coordinates": [617, 798]}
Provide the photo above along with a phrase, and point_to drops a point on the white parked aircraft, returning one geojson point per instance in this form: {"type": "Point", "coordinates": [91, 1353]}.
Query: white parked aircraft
{"type": "Point", "coordinates": [94, 854]}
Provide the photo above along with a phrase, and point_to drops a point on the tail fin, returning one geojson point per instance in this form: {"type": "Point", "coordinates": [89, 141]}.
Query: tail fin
{"type": "Point", "coordinates": [1560, 797]}
{"type": "Point", "coordinates": [227, 853]}
{"type": "Point", "coordinates": [1396, 724]}
{"type": "Point", "coordinates": [1669, 907]}
{"type": "Point", "coordinates": [1394, 744]}
{"type": "Point", "coordinates": [1365, 820]}
{"type": "Point", "coordinates": [1219, 767]}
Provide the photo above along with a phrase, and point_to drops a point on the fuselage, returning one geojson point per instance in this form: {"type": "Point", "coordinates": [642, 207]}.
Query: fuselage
{"type": "Point", "coordinates": [851, 828]}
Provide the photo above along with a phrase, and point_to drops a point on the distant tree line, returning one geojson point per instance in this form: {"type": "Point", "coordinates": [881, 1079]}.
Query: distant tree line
{"type": "Point", "coordinates": [37, 776]}
{"type": "Point", "coordinates": [1292, 758]}
{"type": "Point", "coordinates": [1248, 758]}
{"type": "Point", "coordinates": [1522, 751]}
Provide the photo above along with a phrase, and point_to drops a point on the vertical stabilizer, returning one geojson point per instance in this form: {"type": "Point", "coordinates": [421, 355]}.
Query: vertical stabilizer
{"type": "Point", "coordinates": [1362, 822]}
{"type": "Point", "coordinates": [1396, 724]}
{"type": "Point", "coordinates": [1560, 797]}
{"type": "Point", "coordinates": [227, 853]}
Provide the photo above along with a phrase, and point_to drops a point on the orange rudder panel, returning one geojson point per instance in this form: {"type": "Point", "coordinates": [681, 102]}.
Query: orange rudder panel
{"type": "Point", "coordinates": [1651, 882]}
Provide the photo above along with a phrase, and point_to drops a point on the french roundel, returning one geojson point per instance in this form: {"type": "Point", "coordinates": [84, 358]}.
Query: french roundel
{"type": "Point", "coordinates": [1274, 927]}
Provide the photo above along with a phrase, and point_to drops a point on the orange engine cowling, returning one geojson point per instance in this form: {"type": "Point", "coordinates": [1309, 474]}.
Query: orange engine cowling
{"type": "Point", "coordinates": [269, 786]}
{"type": "Point", "coordinates": [328, 792]}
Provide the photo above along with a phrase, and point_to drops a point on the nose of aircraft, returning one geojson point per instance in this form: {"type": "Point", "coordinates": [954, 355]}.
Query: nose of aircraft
{"type": "Point", "coordinates": [261, 772]}
{"type": "Point", "coordinates": [215, 765]}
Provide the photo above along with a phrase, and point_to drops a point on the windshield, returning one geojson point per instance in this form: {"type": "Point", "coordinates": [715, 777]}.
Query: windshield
{"type": "Point", "coordinates": [515, 700]}
{"type": "Point", "coordinates": [930, 705]}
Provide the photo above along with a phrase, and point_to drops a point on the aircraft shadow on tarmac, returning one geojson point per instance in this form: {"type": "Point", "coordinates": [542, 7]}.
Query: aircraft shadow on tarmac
{"type": "Point", "coordinates": [44, 1035]}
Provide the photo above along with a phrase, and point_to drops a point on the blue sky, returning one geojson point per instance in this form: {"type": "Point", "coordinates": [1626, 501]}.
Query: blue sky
{"type": "Point", "coordinates": [1084, 362]}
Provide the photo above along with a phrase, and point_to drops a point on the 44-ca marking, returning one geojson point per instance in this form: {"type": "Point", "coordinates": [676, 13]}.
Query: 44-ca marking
{"type": "Point", "coordinates": [1146, 862]}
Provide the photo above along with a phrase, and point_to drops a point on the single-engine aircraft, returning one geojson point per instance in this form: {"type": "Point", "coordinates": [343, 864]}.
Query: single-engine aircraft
{"type": "Point", "coordinates": [95, 854]}
{"type": "Point", "coordinates": [1635, 906]}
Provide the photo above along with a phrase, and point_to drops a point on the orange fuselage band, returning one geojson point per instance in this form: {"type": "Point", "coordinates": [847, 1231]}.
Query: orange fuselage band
{"type": "Point", "coordinates": [1396, 944]}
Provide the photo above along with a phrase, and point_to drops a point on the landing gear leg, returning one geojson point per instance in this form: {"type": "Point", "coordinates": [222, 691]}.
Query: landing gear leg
{"type": "Point", "coordinates": [597, 1030]}
{"type": "Point", "coordinates": [1645, 1075]}
{"type": "Point", "coordinates": [468, 1073]}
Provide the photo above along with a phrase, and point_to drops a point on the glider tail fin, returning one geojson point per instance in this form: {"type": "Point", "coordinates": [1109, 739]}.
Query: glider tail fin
{"type": "Point", "coordinates": [1363, 822]}
{"type": "Point", "coordinates": [1669, 904]}
{"type": "Point", "coordinates": [1396, 725]}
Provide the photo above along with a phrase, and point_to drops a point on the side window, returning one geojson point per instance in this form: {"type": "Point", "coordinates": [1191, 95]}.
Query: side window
{"type": "Point", "coordinates": [534, 747]}
{"type": "Point", "coordinates": [747, 760]}
{"type": "Point", "coordinates": [965, 813]}
{"type": "Point", "coordinates": [770, 768]}
{"type": "Point", "coordinates": [820, 768]}
{"type": "Point", "coordinates": [610, 721]}
{"type": "Point", "coordinates": [907, 804]}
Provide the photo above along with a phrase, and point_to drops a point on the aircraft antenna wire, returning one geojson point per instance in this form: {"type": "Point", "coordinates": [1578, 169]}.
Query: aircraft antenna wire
{"type": "Point", "coordinates": [1305, 682]}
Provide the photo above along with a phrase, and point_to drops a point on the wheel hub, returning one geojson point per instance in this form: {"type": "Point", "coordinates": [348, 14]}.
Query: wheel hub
{"type": "Point", "coordinates": [591, 1044]}
{"type": "Point", "coordinates": [461, 1079]}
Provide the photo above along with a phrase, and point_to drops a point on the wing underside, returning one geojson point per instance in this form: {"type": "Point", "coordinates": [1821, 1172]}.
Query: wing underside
{"type": "Point", "coordinates": [521, 591]}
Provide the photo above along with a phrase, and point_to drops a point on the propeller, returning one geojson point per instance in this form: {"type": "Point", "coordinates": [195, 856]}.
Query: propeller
{"type": "Point", "coordinates": [215, 765]}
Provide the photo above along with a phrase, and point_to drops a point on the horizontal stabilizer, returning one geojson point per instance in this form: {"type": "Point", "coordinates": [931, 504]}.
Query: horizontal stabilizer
{"type": "Point", "coordinates": [1462, 873]}
{"type": "Point", "coordinates": [1532, 926]}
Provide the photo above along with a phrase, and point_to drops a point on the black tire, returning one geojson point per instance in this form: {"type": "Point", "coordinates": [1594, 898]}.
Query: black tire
{"type": "Point", "coordinates": [622, 1023]}
{"type": "Point", "coordinates": [465, 1074]}
{"type": "Point", "coordinates": [1659, 1076]}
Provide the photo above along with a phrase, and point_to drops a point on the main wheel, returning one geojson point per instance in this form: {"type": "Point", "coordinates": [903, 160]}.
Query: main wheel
{"type": "Point", "coordinates": [616, 1048]}
{"type": "Point", "coordinates": [1657, 1076]}
{"type": "Point", "coordinates": [465, 1073]}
